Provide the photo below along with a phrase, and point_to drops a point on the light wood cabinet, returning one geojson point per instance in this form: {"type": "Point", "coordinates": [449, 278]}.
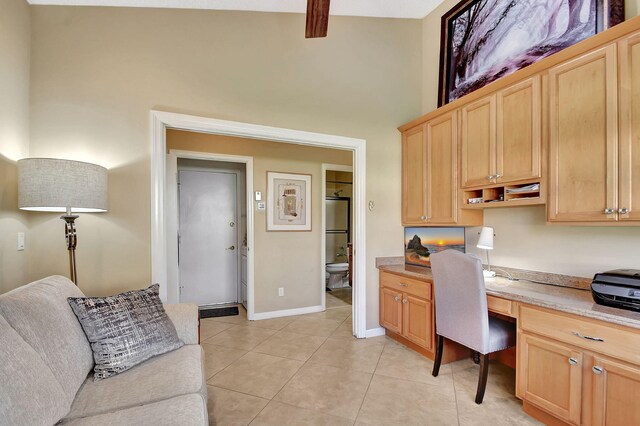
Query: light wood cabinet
{"type": "Point", "coordinates": [501, 136]}
{"type": "Point", "coordinates": [580, 370]}
{"type": "Point", "coordinates": [430, 175]}
{"type": "Point", "coordinates": [595, 136]}
{"type": "Point", "coordinates": [550, 376]}
{"type": "Point", "coordinates": [583, 138]}
{"type": "Point", "coordinates": [629, 60]}
{"type": "Point", "coordinates": [406, 309]}
{"type": "Point", "coordinates": [615, 393]}
{"type": "Point", "coordinates": [414, 178]}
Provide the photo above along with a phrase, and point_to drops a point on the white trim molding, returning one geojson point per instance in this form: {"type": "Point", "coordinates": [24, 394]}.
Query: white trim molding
{"type": "Point", "coordinates": [161, 120]}
{"type": "Point", "coordinates": [375, 332]}
{"type": "Point", "coordinates": [288, 312]}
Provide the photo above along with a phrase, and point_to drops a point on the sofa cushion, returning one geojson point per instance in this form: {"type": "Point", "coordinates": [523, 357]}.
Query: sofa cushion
{"type": "Point", "coordinates": [176, 373]}
{"type": "Point", "coordinates": [29, 393]}
{"type": "Point", "coordinates": [126, 329]}
{"type": "Point", "coordinates": [39, 312]}
{"type": "Point", "coordinates": [185, 410]}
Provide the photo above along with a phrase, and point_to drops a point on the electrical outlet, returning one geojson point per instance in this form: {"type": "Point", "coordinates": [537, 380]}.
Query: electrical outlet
{"type": "Point", "coordinates": [281, 291]}
{"type": "Point", "coordinates": [20, 241]}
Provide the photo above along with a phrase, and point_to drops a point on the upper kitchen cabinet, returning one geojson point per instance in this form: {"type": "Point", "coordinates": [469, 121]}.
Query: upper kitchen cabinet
{"type": "Point", "coordinates": [583, 138]}
{"type": "Point", "coordinates": [501, 136]}
{"type": "Point", "coordinates": [629, 94]}
{"type": "Point", "coordinates": [430, 174]}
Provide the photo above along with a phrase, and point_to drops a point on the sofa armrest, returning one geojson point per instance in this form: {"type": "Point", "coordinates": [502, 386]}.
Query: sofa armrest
{"type": "Point", "coordinates": [185, 317]}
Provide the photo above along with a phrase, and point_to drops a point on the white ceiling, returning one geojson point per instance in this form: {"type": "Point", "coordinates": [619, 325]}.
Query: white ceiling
{"type": "Point", "coordinates": [416, 9]}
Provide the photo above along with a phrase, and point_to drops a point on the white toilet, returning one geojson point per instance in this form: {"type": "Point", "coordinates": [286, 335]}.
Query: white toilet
{"type": "Point", "coordinates": [337, 272]}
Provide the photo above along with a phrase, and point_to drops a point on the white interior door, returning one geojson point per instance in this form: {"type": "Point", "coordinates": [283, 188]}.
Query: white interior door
{"type": "Point", "coordinates": [208, 252]}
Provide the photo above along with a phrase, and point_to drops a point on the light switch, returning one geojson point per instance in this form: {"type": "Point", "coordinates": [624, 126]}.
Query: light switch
{"type": "Point", "coordinates": [20, 241]}
{"type": "Point", "coordinates": [262, 206]}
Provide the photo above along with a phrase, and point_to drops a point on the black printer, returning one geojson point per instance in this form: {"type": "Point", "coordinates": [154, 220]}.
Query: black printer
{"type": "Point", "coordinates": [619, 288]}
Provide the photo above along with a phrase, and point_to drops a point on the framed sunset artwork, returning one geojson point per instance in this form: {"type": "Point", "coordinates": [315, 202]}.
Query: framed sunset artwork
{"type": "Point", "coordinates": [420, 243]}
{"type": "Point", "coordinates": [484, 40]}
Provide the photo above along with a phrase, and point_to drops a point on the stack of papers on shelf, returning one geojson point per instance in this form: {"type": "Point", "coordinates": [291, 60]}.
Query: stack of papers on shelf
{"type": "Point", "coordinates": [526, 188]}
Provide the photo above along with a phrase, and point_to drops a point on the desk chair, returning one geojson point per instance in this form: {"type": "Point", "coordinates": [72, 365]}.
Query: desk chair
{"type": "Point", "coordinates": [461, 311]}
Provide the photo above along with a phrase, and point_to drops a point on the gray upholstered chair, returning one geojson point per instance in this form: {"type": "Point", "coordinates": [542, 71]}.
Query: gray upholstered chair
{"type": "Point", "coordinates": [461, 311]}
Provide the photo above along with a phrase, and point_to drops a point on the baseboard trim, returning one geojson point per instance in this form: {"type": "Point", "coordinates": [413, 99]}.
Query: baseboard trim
{"type": "Point", "coordinates": [287, 312]}
{"type": "Point", "coordinates": [375, 332]}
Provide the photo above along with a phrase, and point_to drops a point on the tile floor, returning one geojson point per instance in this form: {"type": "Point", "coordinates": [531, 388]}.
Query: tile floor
{"type": "Point", "coordinates": [309, 370]}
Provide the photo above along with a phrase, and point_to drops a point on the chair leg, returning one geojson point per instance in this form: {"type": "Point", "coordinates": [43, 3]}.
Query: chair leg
{"type": "Point", "coordinates": [482, 378]}
{"type": "Point", "coordinates": [438, 360]}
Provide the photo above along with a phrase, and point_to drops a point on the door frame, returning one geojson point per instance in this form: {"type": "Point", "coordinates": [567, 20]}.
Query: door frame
{"type": "Point", "coordinates": [161, 120]}
{"type": "Point", "coordinates": [173, 213]}
{"type": "Point", "coordinates": [323, 253]}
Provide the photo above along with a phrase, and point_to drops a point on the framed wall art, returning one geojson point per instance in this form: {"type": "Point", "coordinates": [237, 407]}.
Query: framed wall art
{"type": "Point", "coordinates": [484, 40]}
{"type": "Point", "coordinates": [288, 202]}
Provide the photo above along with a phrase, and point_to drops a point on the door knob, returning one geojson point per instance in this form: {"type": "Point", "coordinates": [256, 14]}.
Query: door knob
{"type": "Point", "coordinates": [231, 248]}
{"type": "Point", "coordinates": [232, 224]}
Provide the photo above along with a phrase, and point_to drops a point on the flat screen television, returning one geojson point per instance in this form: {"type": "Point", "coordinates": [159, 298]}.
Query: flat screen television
{"type": "Point", "coordinates": [420, 243]}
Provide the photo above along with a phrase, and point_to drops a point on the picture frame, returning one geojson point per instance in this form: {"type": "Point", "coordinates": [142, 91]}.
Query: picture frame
{"type": "Point", "coordinates": [484, 40]}
{"type": "Point", "coordinates": [421, 242]}
{"type": "Point", "coordinates": [288, 201]}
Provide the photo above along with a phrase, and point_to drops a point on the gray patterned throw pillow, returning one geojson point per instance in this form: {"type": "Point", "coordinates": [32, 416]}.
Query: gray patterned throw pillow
{"type": "Point", "coordinates": [126, 329]}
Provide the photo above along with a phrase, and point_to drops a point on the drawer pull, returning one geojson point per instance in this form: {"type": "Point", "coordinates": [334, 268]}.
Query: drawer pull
{"type": "Point", "coordinates": [595, 339]}
{"type": "Point", "coordinates": [573, 361]}
{"type": "Point", "coordinates": [597, 370]}
{"type": "Point", "coordinates": [404, 285]}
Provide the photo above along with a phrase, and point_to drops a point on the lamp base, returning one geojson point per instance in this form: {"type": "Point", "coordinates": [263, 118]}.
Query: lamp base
{"type": "Point", "coordinates": [488, 274]}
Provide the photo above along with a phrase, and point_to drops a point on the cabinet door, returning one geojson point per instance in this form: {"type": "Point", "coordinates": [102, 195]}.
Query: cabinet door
{"type": "Point", "coordinates": [550, 376]}
{"type": "Point", "coordinates": [417, 321]}
{"type": "Point", "coordinates": [616, 392]}
{"type": "Point", "coordinates": [414, 202]}
{"type": "Point", "coordinates": [478, 161]}
{"type": "Point", "coordinates": [583, 116]}
{"type": "Point", "coordinates": [391, 310]}
{"type": "Point", "coordinates": [442, 182]}
{"type": "Point", "coordinates": [629, 204]}
{"type": "Point", "coordinates": [519, 126]}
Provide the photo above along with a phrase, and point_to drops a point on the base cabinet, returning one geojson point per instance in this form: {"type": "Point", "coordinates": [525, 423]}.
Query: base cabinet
{"type": "Point", "coordinates": [406, 309]}
{"type": "Point", "coordinates": [616, 392]}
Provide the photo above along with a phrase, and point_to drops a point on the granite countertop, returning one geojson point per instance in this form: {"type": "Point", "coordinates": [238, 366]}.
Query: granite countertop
{"type": "Point", "coordinates": [565, 299]}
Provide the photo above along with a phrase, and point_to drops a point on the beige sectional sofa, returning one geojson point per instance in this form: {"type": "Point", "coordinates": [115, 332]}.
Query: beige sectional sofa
{"type": "Point", "coordinates": [46, 368]}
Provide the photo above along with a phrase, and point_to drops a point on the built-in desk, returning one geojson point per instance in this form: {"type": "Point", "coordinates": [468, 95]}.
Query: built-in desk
{"type": "Point", "coordinates": [577, 362]}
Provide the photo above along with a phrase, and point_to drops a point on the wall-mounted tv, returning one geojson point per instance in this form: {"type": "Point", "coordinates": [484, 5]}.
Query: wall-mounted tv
{"type": "Point", "coordinates": [420, 243]}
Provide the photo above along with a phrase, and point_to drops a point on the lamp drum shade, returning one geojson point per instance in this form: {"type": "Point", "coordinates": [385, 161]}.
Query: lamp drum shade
{"type": "Point", "coordinates": [486, 238]}
{"type": "Point", "coordinates": [55, 185]}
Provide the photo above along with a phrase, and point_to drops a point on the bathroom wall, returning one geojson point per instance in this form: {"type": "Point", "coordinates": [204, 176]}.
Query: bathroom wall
{"type": "Point", "coordinates": [15, 39]}
{"type": "Point", "coordinates": [523, 240]}
{"type": "Point", "coordinates": [282, 259]}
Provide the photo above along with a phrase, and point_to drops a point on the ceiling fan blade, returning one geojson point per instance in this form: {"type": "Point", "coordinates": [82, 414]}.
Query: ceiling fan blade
{"type": "Point", "coordinates": [317, 18]}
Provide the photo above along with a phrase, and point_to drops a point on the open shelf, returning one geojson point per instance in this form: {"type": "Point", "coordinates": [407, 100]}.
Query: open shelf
{"type": "Point", "coordinates": [521, 194]}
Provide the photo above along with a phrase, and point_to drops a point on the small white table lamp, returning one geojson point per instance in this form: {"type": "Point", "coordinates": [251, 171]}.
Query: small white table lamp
{"type": "Point", "coordinates": [486, 242]}
{"type": "Point", "coordinates": [55, 185]}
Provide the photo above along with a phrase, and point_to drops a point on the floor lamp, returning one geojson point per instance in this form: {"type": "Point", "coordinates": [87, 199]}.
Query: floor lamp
{"type": "Point", "coordinates": [66, 186]}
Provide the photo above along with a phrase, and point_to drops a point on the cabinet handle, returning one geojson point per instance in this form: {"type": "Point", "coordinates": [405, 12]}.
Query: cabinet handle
{"type": "Point", "coordinates": [490, 177]}
{"type": "Point", "coordinates": [623, 210]}
{"type": "Point", "coordinates": [573, 361]}
{"type": "Point", "coordinates": [397, 298]}
{"type": "Point", "coordinates": [608, 211]}
{"type": "Point", "coordinates": [404, 285]}
{"type": "Point", "coordinates": [595, 339]}
{"type": "Point", "coordinates": [405, 301]}
{"type": "Point", "coordinates": [498, 176]}
{"type": "Point", "coordinates": [597, 370]}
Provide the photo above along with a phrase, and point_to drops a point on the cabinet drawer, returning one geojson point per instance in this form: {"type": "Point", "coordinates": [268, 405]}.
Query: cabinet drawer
{"type": "Point", "coordinates": [500, 306]}
{"type": "Point", "coordinates": [406, 285]}
{"type": "Point", "coordinates": [615, 341]}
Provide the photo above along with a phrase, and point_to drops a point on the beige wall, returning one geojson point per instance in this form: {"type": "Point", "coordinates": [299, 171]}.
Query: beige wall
{"type": "Point", "coordinates": [96, 73]}
{"type": "Point", "coordinates": [523, 240]}
{"type": "Point", "coordinates": [15, 39]}
{"type": "Point", "coordinates": [282, 259]}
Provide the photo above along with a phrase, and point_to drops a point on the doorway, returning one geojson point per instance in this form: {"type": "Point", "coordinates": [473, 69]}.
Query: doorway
{"type": "Point", "coordinates": [211, 220]}
{"type": "Point", "coordinates": [164, 225]}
